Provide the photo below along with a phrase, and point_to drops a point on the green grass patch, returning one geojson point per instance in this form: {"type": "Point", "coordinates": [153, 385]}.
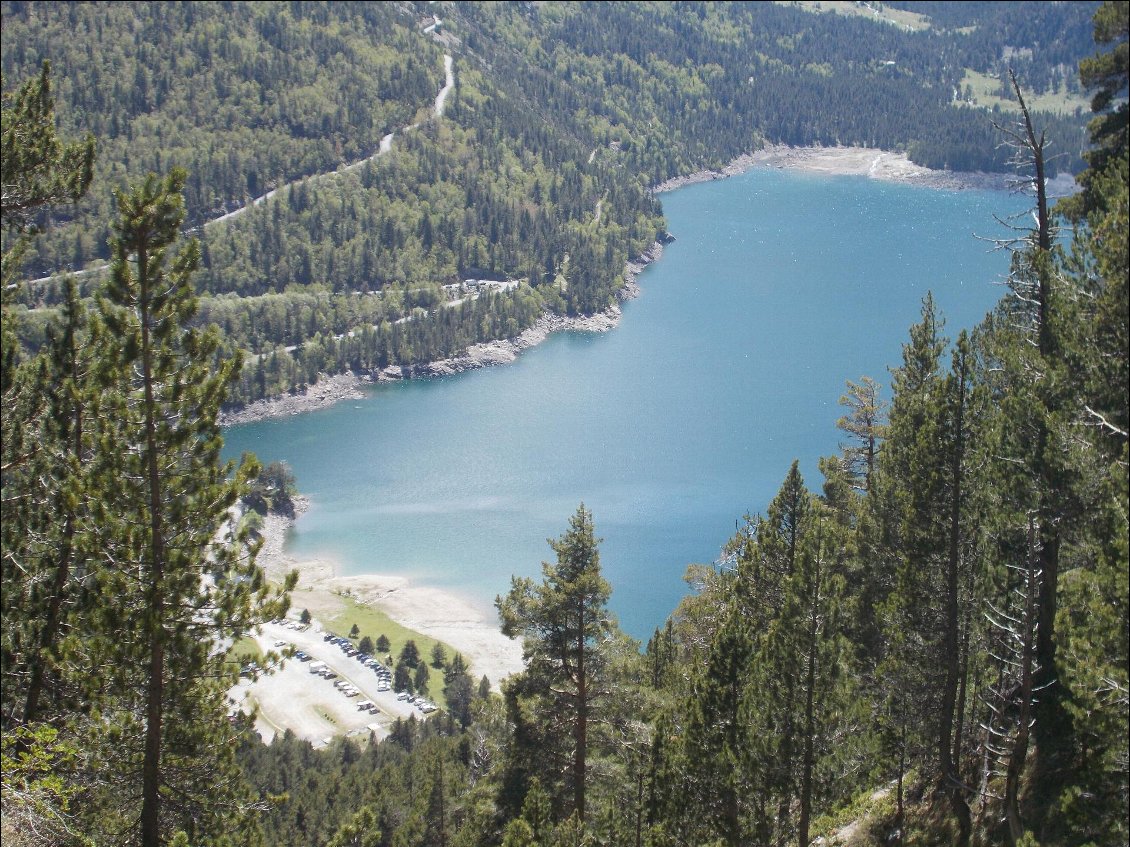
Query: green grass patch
{"type": "Point", "coordinates": [984, 89]}
{"type": "Point", "coordinates": [868, 807]}
{"type": "Point", "coordinates": [244, 650]}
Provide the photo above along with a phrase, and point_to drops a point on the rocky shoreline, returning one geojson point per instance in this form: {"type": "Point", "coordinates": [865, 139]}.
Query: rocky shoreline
{"type": "Point", "coordinates": [504, 351]}
{"type": "Point", "coordinates": [325, 392]}
{"type": "Point", "coordinates": [349, 386]}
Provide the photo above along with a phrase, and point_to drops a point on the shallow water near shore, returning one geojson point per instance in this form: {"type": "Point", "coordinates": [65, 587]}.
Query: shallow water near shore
{"type": "Point", "coordinates": [781, 286]}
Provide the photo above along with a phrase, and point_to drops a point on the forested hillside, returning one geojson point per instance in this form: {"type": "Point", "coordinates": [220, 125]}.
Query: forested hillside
{"type": "Point", "coordinates": [927, 645]}
{"type": "Point", "coordinates": [561, 118]}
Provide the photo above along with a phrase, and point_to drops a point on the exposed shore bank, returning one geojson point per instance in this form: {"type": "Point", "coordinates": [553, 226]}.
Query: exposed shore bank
{"type": "Point", "coordinates": [847, 161]}
{"type": "Point", "coordinates": [325, 392]}
{"type": "Point", "coordinates": [350, 386]}
{"type": "Point", "coordinates": [507, 350]}
{"type": "Point", "coordinates": [423, 609]}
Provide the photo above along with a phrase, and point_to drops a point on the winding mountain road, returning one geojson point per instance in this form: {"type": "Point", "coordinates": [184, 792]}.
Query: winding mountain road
{"type": "Point", "coordinates": [384, 147]}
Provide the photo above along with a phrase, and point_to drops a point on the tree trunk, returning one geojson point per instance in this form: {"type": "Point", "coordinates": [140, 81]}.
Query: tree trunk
{"type": "Point", "coordinates": [1019, 752]}
{"type": "Point", "coordinates": [950, 783]}
{"type": "Point", "coordinates": [900, 808]}
{"type": "Point", "coordinates": [1048, 599]}
{"type": "Point", "coordinates": [639, 808]}
{"type": "Point", "coordinates": [580, 727]}
{"type": "Point", "coordinates": [962, 690]}
{"type": "Point", "coordinates": [808, 761]}
{"type": "Point", "coordinates": [155, 684]}
{"type": "Point", "coordinates": [1049, 711]}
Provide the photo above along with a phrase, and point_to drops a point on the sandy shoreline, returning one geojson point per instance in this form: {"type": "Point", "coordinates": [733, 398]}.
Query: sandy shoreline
{"type": "Point", "coordinates": [424, 609]}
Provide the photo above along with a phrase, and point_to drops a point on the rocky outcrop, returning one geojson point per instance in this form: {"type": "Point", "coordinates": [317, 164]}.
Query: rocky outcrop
{"type": "Point", "coordinates": [631, 289]}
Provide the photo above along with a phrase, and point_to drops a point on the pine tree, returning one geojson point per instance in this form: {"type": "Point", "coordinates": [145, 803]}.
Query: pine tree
{"type": "Point", "coordinates": [807, 640]}
{"type": "Point", "coordinates": [420, 678]}
{"type": "Point", "coordinates": [1062, 360]}
{"type": "Point", "coordinates": [933, 514]}
{"type": "Point", "coordinates": [770, 701]}
{"type": "Point", "coordinates": [865, 423]}
{"type": "Point", "coordinates": [907, 508]}
{"type": "Point", "coordinates": [436, 817]}
{"type": "Point", "coordinates": [361, 830]}
{"type": "Point", "coordinates": [439, 656]}
{"type": "Point", "coordinates": [565, 624]}
{"type": "Point", "coordinates": [459, 691]}
{"type": "Point", "coordinates": [1038, 398]}
{"type": "Point", "coordinates": [1013, 696]}
{"type": "Point", "coordinates": [187, 583]}
{"type": "Point", "coordinates": [1105, 76]}
{"type": "Point", "coordinates": [1096, 601]}
{"type": "Point", "coordinates": [719, 786]}
{"type": "Point", "coordinates": [45, 440]}
{"type": "Point", "coordinates": [410, 654]}
{"type": "Point", "coordinates": [54, 532]}
{"type": "Point", "coordinates": [38, 168]}
{"type": "Point", "coordinates": [962, 438]}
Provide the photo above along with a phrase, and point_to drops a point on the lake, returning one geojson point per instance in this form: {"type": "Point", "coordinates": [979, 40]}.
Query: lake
{"type": "Point", "coordinates": [780, 287]}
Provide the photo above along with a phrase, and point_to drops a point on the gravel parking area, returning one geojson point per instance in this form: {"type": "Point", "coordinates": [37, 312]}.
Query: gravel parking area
{"type": "Point", "coordinates": [310, 705]}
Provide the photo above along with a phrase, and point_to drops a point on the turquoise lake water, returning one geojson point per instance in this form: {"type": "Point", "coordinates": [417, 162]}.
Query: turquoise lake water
{"type": "Point", "coordinates": [780, 287]}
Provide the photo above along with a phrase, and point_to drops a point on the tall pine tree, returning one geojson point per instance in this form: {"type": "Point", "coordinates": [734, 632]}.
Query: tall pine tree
{"type": "Point", "coordinates": [189, 584]}
{"type": "Point", "coordinates": [566, 628]}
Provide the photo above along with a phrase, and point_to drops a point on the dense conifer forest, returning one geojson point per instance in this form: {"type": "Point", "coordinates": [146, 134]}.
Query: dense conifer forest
{"type": "Point", "coordinates": [561, 119]}
{"type": "Point", "coordinates": [926, 645]}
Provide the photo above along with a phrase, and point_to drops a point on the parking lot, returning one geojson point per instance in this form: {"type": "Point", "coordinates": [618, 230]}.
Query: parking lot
{"type": "Point", "coordinates": [324, 692]}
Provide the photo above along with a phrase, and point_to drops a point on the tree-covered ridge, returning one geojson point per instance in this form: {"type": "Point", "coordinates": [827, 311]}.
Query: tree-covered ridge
{"type": "Point", "coordinates": [253, 95]}
{"type": "Point", "coordinates": [486, 192]}
{"type": "Point", "coordinates": [245, 97]}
